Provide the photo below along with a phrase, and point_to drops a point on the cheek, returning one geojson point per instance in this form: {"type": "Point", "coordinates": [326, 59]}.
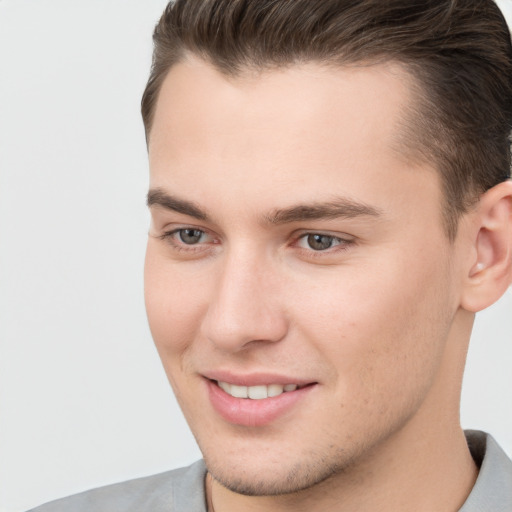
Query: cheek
{"type": "Point", "coordinates": [384, 332]}
{"type": "Point", "coordinates": [174, 304]}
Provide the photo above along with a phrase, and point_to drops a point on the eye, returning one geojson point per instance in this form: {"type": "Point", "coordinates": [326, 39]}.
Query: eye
{"type": "Point", "coordinates": [320, 242]}
{"type": "Point", "coordinates": [190, 236]}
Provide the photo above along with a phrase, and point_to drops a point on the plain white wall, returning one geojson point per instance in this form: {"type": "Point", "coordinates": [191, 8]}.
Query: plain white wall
{"type": "Point", "coordinates": [83, 399]}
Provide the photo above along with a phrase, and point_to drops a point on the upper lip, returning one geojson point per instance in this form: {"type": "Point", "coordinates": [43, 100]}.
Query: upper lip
{"type": "Point", "coordinates": [255, 379]}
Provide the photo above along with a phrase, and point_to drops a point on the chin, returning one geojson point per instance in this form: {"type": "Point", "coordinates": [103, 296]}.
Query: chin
{"type": "Point", "coordinates": [278, 477]}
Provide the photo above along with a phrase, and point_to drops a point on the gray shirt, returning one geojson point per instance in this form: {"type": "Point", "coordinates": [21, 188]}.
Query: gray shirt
{"type": "Point", "coordinates": [182, 490]}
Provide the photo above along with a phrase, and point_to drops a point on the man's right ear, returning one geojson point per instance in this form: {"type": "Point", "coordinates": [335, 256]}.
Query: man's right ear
{"type": "Point", "coordinates": [489, 273]}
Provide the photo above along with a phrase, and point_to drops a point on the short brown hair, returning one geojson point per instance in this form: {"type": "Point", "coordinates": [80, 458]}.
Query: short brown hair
{"type": "Point", "coordinates": [458, 51]}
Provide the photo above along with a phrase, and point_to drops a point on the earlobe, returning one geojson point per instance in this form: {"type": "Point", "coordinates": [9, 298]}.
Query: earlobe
{"type": "Point", "coordinates": [490, 273]}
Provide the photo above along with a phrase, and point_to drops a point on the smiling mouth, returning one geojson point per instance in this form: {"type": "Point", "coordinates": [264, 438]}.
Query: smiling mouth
{"type": "Point", "coordinates": [257, 392]}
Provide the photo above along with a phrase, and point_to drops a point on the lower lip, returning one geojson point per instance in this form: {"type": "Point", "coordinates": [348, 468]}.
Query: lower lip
{"type": "Point", "coordinates": [253, 413]}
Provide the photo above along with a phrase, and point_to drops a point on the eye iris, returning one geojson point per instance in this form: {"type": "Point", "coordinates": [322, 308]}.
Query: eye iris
{"type": "Point", "coordinates": [190, 236]}
{"type": "Point", "coordinates": [320, 242]}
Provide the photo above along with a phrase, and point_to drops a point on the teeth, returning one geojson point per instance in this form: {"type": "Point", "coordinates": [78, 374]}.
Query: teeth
{"type": "Point", "coordinates": [274, 389]}
{"type": "Point", "coordinates": [256, 392]}
{"type": "Point", "coordinates": [225, 386]}
{"type": "Point", "coordinates": [238, 391]}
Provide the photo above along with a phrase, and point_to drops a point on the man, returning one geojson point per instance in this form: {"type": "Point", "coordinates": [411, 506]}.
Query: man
{"type": "Point", "coordinates": [331, 205]}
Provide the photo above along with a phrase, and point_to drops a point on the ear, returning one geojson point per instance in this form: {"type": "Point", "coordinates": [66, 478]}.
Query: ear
{"type": "Point", "coordinates": [490, 271]}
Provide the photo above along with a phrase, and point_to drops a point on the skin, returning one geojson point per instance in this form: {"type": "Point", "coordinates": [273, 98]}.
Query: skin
{"type": "Point", "coordinates": [379, 322]}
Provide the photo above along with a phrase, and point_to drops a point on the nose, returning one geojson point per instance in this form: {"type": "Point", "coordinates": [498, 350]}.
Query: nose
{"type": "Point", "coordinates": [245, 307]}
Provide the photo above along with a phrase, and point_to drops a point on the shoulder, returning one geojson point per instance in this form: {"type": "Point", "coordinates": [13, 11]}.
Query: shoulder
{"type": "Point", "coordinates": [178, 490]}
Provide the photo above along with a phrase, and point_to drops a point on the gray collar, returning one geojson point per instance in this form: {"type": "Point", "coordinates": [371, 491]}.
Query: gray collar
{"type": "Point", "coordinates": [493, 488]}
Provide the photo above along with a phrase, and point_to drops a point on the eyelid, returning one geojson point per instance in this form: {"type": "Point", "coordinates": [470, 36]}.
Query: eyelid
{"type": "Point", "coordinates": [344, 237]}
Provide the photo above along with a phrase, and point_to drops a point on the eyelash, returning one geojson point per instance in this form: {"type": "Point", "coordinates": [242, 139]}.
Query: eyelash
{"type": "Point", "coordinates": [340, 244]}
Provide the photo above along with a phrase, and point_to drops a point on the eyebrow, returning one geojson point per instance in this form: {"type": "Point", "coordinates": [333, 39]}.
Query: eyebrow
{"type": "Point", "coordinates": [157, 197]}
{"type": "Point", "coordinates": [338, 208]}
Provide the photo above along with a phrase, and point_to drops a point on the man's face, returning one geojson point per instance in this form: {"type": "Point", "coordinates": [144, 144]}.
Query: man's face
{"type": "Point", "coordinates": [291, 244]}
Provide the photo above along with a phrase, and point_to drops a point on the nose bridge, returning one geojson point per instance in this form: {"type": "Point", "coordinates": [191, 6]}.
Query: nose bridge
{"type": "Point", "coordinates": [245, 305]}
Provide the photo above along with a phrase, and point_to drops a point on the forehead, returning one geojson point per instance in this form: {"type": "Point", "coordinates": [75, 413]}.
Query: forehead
{"type": "Point", "coordinates": [302, 128]}
{"type": "Point", "coordinates": [196, 99]}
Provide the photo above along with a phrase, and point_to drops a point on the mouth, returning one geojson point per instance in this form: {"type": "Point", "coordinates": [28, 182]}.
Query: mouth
{"type": "Point", "coordinates": [252, 403]}
{"type": "Point", "coordinates": [259, 392]}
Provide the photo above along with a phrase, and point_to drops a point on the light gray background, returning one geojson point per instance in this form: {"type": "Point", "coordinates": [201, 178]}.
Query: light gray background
{"type": "Point", "coordinates": [83, 399]}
